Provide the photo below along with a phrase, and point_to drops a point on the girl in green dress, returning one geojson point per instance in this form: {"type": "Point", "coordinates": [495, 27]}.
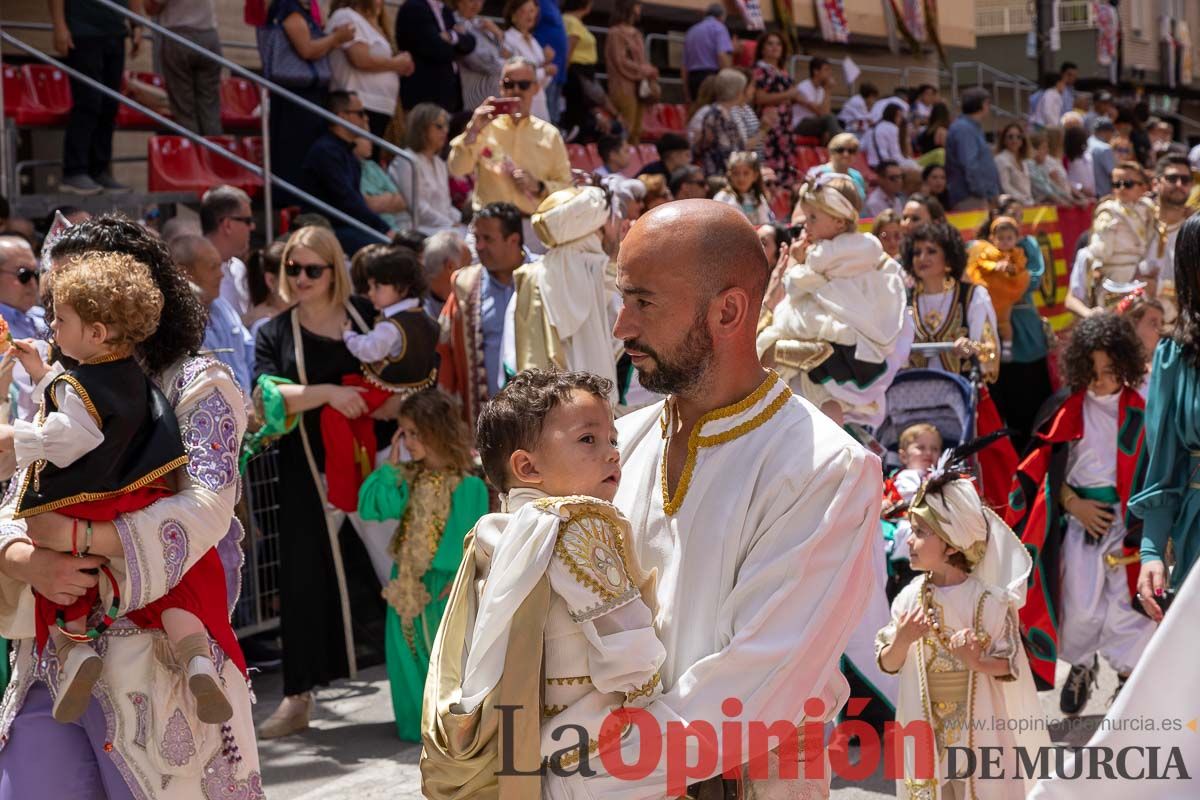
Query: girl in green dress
{"type": "Point", "coordinates": [436, 503]}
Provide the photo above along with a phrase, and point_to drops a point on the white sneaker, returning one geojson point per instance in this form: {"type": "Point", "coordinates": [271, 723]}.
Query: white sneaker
{"type": "Point", "coordinates": [205, 685]}
{"type": "Point", "coordinates": [79, 674]}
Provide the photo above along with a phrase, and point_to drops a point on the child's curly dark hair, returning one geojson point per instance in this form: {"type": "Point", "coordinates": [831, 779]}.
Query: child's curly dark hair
{"type": "Point", "coordinates": [1111, 334]}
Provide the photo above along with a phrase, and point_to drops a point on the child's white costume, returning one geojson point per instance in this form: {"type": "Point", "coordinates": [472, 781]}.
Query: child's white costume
{"type": "Point", "coordinates": [546, 613]}
{"type": "Point", "coordinates": [837, 329]}
{"type": "Point", "coordinates": [1121, 233]}
{"type": "Point", "coordinates": [966, 709]}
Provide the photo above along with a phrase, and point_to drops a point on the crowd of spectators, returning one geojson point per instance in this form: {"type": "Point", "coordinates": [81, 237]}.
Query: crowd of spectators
{"type": "Point", "coordinates": [483, 113]}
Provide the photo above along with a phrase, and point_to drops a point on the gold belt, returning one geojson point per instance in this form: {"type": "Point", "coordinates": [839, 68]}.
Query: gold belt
{"type": "Point", "coordinates": [948, 687]}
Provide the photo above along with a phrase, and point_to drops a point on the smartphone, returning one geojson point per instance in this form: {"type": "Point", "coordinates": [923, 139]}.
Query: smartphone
{"type": "Point", "coordinates": [506, 105]}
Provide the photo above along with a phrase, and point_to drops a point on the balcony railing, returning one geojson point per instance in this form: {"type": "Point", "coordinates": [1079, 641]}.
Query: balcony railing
{"type": "Point", "coordinates": [1073, 15]}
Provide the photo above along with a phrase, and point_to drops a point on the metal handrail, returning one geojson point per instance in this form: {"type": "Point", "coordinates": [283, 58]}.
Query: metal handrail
{"type": "Point", "coordinates": [46, 26]}
{"type": "Point", "coordinates": [273, 88]}
{"type": "Point", "coordinates": [182, 131]}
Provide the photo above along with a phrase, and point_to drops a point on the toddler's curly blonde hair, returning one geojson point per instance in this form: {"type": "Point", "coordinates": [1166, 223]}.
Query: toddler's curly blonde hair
{"type": "Point", "coordinates": [113, 289]}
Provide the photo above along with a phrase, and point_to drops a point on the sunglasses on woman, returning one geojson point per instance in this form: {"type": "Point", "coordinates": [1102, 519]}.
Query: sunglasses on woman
{"type": "Point", "coordinates": [509, 84]}
{"type": "Point", "coordinates": [23, 274]}
{"type": "Point", "coordinates": [1125, 184]}
{"type": "Point", "coordinates": [313, 271]}
{"type": "Point", "coordinates": [844, 151]}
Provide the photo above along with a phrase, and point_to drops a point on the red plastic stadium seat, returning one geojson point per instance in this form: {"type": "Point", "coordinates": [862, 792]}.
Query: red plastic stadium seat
{"type": "Point", "coordinates": [16, 95]}
{"type": "Point", "coordinates": [579, 157]}
{"type": "Point", "coordinates": [807, 141]}
{"type": "Point", "coordinates": [239, 104]}
{"type": "Point", "coordinates": [252, 148]}
{"type": "Point", "coordinates": [807, 158]}
{"type": "Point", "coordinates": [653, 126]}
{"type": "Point", "coordinates": [175, 166]}
{"type": "Point", "coordinates": [228, 171]}
{"type": "Point", "coordinates": [49, 90]}
{"type": "Point", "coordinates": [677, 117]}
{"type": "Point", "coordinates": [128, 117]}
{"type": "Point", "coordinates": [860, 164]}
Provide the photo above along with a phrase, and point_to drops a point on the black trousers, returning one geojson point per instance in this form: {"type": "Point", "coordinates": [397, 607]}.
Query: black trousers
{"type": "Point", "coordinates": [87, 144]}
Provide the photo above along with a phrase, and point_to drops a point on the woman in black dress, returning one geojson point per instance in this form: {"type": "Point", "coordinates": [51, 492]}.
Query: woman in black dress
{"type": "Point", "coordinates": [317, 583]}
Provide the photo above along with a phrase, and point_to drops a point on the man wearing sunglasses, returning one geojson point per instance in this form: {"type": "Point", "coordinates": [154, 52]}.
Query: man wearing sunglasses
{"type": "Point", "coordinates": [515, 157]}
{"type": "Point", "coordinates": [20, 309]}
{"type": "Point", "coordinates": [226, 221]}
{"type": "Point", "coordinates": [1172, 186]}
{"type": "Point", "coordinates": [332, 173]}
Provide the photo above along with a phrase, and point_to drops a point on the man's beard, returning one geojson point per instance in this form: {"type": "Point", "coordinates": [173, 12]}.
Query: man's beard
{"type": "Point", "coordinates": [1167, 200]}
{"type": "Point", "coordinates": [683, 370]}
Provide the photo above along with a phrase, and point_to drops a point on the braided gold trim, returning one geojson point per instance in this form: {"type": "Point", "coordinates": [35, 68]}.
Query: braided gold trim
{"type": "Point", "coordinates": [552, 711]}
{"type": "Point", "coordinates": [91, 497]}
{"type": "Point", "coordinates": [584, 680]}
{"type": "Point", "coordinates": [644, 690]}
{"type": "Point", "coordinates": [671, 505]}
{"type": "Point", "coordinates": [74, 383]}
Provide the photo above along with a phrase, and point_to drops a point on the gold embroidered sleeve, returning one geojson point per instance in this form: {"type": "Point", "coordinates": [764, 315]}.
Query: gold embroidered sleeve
{"type": "Point", "coordinates": [997, 627]}
{"type": "Point", "coordinates": [589, 569]}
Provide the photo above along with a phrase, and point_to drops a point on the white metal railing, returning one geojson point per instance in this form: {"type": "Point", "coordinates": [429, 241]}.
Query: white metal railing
{"type": "Point", "coordinates": [1073, 15]}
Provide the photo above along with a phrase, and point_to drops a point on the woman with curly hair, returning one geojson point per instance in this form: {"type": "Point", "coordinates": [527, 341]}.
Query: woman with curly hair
{"type": "Point", "coordinates": [133, 738]}
{"type": "Point", "coordinates": [1081, 471]}
{"type": "Point", "coordinates": [946, 308]}
{"type": "Point", "coordinates": [1168, 501]}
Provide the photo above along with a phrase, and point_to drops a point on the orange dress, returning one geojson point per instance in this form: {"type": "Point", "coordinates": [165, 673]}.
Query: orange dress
{"type": "Point", "coordinates": [988, 266]}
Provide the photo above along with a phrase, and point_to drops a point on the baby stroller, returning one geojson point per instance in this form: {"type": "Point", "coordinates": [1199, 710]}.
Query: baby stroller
{"type": "Point", "coordinates": [942, 399]}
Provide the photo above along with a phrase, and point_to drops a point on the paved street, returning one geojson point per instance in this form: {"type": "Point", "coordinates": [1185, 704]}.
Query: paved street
{"type": "Point", "coordinates": [352, 753]}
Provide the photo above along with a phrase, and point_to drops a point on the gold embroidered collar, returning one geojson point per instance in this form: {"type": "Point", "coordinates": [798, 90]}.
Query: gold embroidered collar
{"type": "Point", "coordinates": [754, 410]}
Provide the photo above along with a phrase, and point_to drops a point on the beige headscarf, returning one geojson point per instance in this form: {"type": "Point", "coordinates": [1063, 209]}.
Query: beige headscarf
{"type": "Point", "coordinates": [820, 193]}
{"type": "Point", "coordinates": [958, 516]}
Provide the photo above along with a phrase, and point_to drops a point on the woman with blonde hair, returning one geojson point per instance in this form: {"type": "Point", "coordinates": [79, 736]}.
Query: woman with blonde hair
{"type": "Point", "coordinates": [718, 135]}
{"type": "Point", "coordinates": [302, 364]}
{"type": "Point", "coordinates": [843, 148]}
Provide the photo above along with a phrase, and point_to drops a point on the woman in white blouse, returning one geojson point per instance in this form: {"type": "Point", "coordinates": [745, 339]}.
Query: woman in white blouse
{"type": "Point", "coordinates": [887, 141]}
{"type": "Point", "coordinates": [368, 64]}
{"type": "Point", "coordinates": [428, 127]}
{"type": "Point", "coordinates": [520, 17]}
{"type": "Point", "coordinates": [1012, 150]}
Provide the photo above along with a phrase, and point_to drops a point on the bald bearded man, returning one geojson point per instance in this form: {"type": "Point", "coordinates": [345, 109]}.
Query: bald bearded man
{"type": "Point", "coordinates": [754, 510]}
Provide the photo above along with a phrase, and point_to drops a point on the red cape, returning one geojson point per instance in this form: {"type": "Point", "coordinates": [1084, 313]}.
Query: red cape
{"type": "Point", "coordinates": [1036, 514]}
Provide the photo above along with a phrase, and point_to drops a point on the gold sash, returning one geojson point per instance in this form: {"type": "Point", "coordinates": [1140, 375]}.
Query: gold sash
{"type": "Point", "coordinates": [462, 751]}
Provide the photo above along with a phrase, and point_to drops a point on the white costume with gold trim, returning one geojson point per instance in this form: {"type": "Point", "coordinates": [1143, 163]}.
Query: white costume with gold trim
{"type": "Point", "coordinates": [762, 559]}
{"type": "Point", "coordinates": [601, 651]}
{"type": "Point", "coordinates": [1121, 233]}
{"type": "Point", "coordinates": [963, 713]}
{"type": "Point", "coordinates": [964, 708]}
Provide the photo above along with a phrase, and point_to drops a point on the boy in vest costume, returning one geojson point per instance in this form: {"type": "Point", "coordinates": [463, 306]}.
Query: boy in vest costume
{"type": "Point", "coordinates": [398, 356]}
{"type": "Point", "coordinates": [400, 353]}
{"type": "Point", "coordinates": [546, 613]}
{"type": "Point", "coordinates": [1069, 506]}
{"type": "Point", "coordinates": [103, 444]}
